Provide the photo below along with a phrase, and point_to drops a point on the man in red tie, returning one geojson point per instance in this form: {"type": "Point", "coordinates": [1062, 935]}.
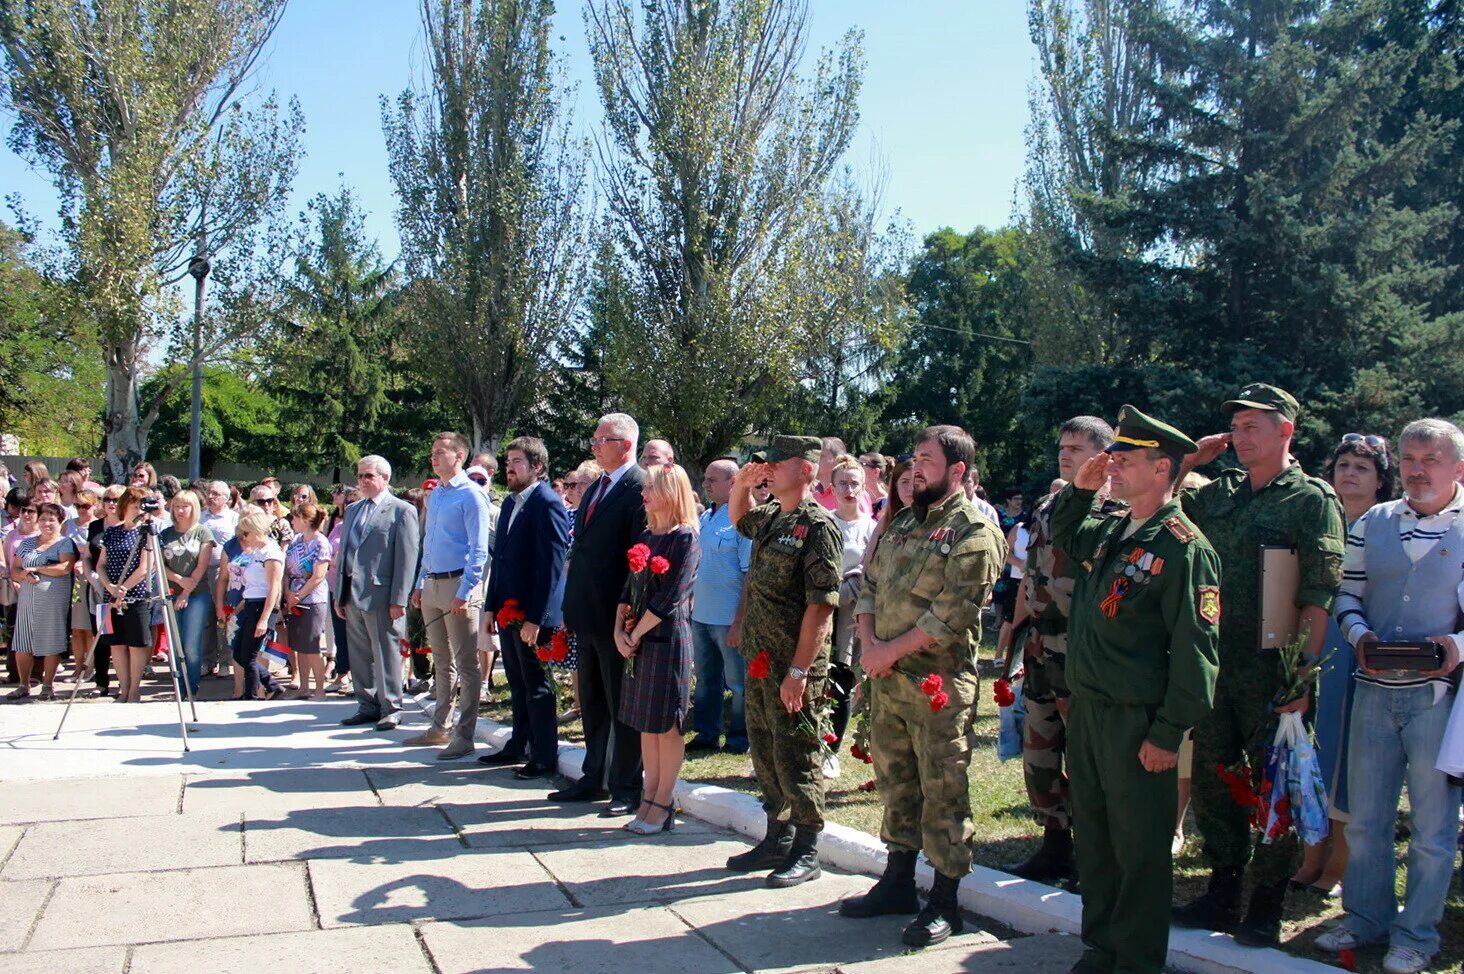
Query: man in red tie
{"type": "Point", "coordinates": [612, 518]}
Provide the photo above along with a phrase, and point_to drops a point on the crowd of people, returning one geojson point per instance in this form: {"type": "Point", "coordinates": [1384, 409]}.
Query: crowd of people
{"type": "Point", "coordinates": [808, 585]}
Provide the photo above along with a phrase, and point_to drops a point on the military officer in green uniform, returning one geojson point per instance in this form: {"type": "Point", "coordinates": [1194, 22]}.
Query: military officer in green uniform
{"type": "Point", "coordinates": [1268, 502]}
{"type": "Point", "coordinates": [1142, 654]}
{"type": "Point", "coordinates": [919, 619]}
{"type": "Point", "coordinates": [792, 591]}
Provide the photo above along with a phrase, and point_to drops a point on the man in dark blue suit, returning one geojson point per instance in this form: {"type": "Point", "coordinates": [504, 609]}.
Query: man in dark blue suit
{"type": "Point", "coordinates": [528, 567]}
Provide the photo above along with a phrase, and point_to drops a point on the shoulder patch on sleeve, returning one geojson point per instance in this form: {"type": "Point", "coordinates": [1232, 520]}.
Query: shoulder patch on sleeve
{"type": "Point", "coordinates": [1179, 529]}
{"type": "Point", "coordinates": [1207, 598]}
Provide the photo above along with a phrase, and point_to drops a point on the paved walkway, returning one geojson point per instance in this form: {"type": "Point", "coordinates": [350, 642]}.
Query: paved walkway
{"type": "Point", "coordinates": [283, 842]}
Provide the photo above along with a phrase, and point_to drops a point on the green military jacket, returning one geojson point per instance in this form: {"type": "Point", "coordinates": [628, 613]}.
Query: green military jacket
{"type": "Point", "coordinates": [1145, 620]}
{"type": "Point", "coordinates": [935, 573]}
{"type": "Point", "coordinates": [1293, 509]}
{"type": "Point", "coordinates": [796, 560]}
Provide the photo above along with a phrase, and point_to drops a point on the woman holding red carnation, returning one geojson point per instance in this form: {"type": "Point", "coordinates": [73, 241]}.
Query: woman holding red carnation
{"type": "Point", "coordinates": [656, 640]}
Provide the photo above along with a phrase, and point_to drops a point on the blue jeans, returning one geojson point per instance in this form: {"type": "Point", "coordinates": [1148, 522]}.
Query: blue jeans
{"type": "Point", "coordinates": [1395, 737]}
{"type": "Point", "coordinates": [719, 668]}
{"type": "Point", "coordinates": [195, 632]}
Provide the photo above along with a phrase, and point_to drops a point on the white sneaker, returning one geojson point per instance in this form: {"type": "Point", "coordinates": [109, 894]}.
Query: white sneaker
{"type": "Point", "coordinates": [1404, 960]}
{"type": "Point", "coordinates": [1337, 939]}
{"type": "Point", "coordinates": [831, 767]}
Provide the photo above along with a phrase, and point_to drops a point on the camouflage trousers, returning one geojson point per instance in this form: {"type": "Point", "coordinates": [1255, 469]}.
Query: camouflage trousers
{"type": "Point", "coordinates": [920, 762]}
{"type": "Point", "coordinates": [1044, 743]}
{"type": "Point", "coordinates": [786, 757]}
{"type": "Point", "coordinates": [1241, 724]}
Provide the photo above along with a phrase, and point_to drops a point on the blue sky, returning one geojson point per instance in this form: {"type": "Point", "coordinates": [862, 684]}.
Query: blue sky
{"type": "Point", "coordinates": [944, 101]}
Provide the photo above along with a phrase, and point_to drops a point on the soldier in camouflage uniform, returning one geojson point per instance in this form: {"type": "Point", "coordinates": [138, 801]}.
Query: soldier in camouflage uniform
{"type": "Point", "coordinates": [919, 619]}
{"type": "Point", "coordinates": [792, 591]}
{"type": "Point", "coordinates": [1270, 502]}
{"type": "Point", "coordinates": [1046, 594]}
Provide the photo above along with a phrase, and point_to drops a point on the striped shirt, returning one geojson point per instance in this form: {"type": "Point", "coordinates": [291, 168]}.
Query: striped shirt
{"type": "Point", "coordinates": [1420, 535]}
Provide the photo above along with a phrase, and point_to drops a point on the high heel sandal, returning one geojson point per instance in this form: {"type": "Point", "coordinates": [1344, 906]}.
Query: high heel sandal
{"type": "Point", "coordinates": [640, 827]}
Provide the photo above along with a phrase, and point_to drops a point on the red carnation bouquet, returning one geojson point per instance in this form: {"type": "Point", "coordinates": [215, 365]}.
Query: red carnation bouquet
{"type": "Point", "coordinates": [510, 614]}
{"type": "Point", "coordinates": [642, 566]}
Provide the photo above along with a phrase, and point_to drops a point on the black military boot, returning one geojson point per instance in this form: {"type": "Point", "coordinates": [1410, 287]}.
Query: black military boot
{"type": "Point", "coordinates": [1219, 907]}
{"type": "Point", "coordinates": [767, 854]}
{"type": "Point", "coordinates": [894, 893]}
{"type": "Point", "coordinates": [1262, 924]}
{"type": "Point", "coordinates": [940, 917]}
{"type": "Point", "coordinates": [1052, 860]}
{"type": "Point", "coordinates": [801, 863]}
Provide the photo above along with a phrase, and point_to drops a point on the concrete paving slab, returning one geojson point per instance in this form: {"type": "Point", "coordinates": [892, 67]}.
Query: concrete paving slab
{"type": "Point", "coordinates": [465, 885]}
{"type": "Point", "coordinates": [348, 951]}
{"type": "Point", "coordinates": [9, 837]}
{"type": "Point", "coordinates": [518, 817]}
{"type": "Point", "coordinates": [69, 799]}
{"type": "Point", "coordinates": [277, 792]}
{"type": "Point", "coordinates": [84, 960]}
{"type": "Point", "coordinates": [125, 908]}
{"type": "Point", "coordinates": [125, 845]}
{"type": "Point", "coordinates": [800, 929]}
{"type": "Point", "coordinates": [646, 940]}
{"type": "Point", "coordinates": [1043, 952]}
{"type": "Point", "coordinates": [19, 904]}
{"type": "Point", "coordinates": [372, 834]}
{"type": "Point", "coordinates": [640, 869]}
{"type": "Point", "coordinates": [448, 782]}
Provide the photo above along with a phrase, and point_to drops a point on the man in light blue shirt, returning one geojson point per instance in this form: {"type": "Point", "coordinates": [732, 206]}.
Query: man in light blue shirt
{"type": "Point", "coordinates": [716, 615]}
{"type": "Point", "coordinates": [450, 593]}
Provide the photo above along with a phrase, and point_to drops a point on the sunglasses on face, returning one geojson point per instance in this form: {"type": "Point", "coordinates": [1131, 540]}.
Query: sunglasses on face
{"type": "Point", "coordinates": [110, 500]}
{"type": "Point", "coordinates": [871, 465]}
{"type": "Point", "coordinates": [29, 510]}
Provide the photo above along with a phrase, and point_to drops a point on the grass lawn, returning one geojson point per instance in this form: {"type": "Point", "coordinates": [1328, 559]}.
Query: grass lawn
{"type": "Point", "coordinates": [1006, 832]}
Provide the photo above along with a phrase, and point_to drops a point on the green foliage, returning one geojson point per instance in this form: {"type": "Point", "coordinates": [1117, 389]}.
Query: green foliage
{"type": "Point", "coordinates": [712, 161]}
{"type": "Point", "coordinates": [50, 377]}
{"type": "Point", "coordinates": [492, 214]}
{"type": "Point", "coordinates": [240, 420]}
{"type": "Point", "coordinates": [133, 107]}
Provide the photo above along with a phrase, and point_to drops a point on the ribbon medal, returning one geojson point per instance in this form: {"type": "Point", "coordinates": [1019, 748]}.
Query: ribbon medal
{"type": "Point", "coordinates": [1116, 592]}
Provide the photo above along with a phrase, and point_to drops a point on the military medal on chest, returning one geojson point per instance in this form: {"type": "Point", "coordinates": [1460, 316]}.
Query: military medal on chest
{"type": "Point", "coordinates": [1135, 568]}
{"type": "Point", "coordinates": [939, 540]}
{"type": "Point", "coordinates": [795, 537]}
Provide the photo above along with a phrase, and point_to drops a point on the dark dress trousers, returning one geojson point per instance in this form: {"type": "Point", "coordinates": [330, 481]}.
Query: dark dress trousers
{"type": "Point", "coordinates": [528, 565]}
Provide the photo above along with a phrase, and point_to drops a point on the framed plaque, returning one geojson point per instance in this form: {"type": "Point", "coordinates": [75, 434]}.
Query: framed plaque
{"type": "Point", "coordinates": [1280, 580]}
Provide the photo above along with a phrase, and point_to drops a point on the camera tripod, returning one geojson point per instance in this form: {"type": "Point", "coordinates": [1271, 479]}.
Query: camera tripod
{"type": "Point", "coordinates": [176, 659]}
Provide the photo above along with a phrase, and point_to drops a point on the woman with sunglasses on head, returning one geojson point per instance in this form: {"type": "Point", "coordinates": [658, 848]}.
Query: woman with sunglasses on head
{"type": "Point", "coordinates": [83, 591]}
{"type": "Point", "coordinates": [1362, 473]}
{"type": "Point", "coordinates": [125, 567]}
{"type": "Point", "coordinates": [42, 570]}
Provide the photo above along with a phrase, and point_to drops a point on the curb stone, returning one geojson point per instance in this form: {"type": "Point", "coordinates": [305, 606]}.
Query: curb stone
{"type": "Point", "coordinates": [1025, 906]}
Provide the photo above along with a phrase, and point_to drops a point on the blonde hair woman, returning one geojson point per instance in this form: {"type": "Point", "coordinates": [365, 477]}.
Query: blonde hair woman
{"type": "Point", "coordinates": [187, 552]}
{"type": "Point", "coordinates": [259, 569]}
{"type": "Point", "coordinates": [656, 638]}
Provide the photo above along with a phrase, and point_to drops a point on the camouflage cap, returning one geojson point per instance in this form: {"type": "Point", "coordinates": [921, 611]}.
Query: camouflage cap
{"type": "Point", "coordinates": [1136, 432]}
{"type": "Point", "coordinates": [785, 447]}
{"type": "Point", "coordinates": [1259, 395]}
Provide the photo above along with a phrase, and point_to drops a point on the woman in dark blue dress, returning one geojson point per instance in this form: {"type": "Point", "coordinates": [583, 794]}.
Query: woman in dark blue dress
{"type": "Point", "coordinates": [655, 607]}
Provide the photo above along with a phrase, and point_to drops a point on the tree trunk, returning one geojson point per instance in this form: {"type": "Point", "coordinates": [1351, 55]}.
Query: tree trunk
{"type": "Point", "coordinates": [126, 439]}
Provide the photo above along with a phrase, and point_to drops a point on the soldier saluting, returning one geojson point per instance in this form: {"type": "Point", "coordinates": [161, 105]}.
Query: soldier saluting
{"type": "Point", "coordinates": [919, 617]}
{"type": "Point", "coordinates": [1142, 657]}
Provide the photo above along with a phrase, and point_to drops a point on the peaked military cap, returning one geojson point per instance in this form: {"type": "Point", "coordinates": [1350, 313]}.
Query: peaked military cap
{"type": "Point", "coordinates": [1137, 431]}
{"type": "Point", "coordinates": [1259, 395]}
{"type": "Point", "coordinates": [785, 447]}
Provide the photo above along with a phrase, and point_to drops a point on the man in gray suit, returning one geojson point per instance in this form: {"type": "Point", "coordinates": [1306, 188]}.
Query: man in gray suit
{"type": "Point", "coordinates": [378, 563]}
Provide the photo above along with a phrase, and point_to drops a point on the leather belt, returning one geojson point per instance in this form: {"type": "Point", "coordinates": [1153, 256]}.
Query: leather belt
{"type": "Point", "coordinates": [452, 574]}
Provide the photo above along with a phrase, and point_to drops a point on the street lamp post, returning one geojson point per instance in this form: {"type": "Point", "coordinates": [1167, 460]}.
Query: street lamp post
{"type": "Point", "coordinates": [198, 266]}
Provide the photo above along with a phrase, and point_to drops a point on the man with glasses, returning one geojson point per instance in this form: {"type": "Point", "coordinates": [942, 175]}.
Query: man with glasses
{"type": "Point", "coordinates": [609, 521]}
{"type": "Point", "coordinates": [716, 604]}
{"type": "Point", "coordinates": [1270, 501]}
{"type": "Point", "coordinates": [378, 560]}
